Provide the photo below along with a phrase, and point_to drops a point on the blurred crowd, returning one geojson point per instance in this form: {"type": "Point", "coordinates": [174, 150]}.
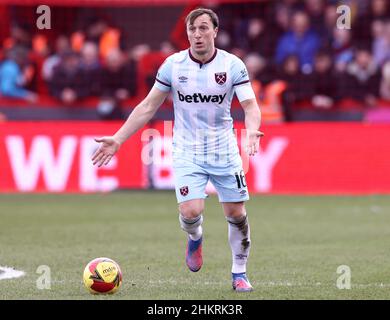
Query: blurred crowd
{"type": "Point", "coordinates": [86, 63]}
{"type": "Point", "coordinates": [301, 64]}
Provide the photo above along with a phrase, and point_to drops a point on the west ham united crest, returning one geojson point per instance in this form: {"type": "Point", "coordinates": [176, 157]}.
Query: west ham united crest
{"type": "Point", "coordinates": [184, 191]}
{"type": "Point", "coordinates": [220, 77]}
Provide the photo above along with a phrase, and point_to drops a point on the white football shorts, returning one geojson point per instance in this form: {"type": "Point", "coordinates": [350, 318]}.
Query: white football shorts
{"type": "Point", "coordinates": [191, 180]}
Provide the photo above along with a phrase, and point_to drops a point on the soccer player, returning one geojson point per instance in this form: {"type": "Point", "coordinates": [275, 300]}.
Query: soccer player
{"type": "Point", "coordinates": [202, 80]}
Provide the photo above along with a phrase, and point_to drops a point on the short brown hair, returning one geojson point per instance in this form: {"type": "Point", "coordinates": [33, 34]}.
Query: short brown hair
{"type": "Point", "coordinates": [198, 12]}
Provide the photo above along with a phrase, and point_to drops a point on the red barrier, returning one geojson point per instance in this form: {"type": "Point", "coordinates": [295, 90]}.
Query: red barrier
{"type": "Point", "coordinates": [327, 158]}
{"type": "Point", "coordinates": [305, 158]}
{"type": "Point", "coordinates": [308, 158]}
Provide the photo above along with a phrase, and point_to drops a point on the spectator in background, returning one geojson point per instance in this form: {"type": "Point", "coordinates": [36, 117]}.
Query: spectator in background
{"type": "Point", "coordinates": [138, 51]}
{"type": "Point", "coordinates": [62, 45]}
{"type": "Point", "coordinates": [167, 48]}
{"type": "Point", "coordinates": [362, 78]}
{"type": "Point", "coordinates": [118, 82]}
{"type": "Point", "coordinates": [378, 10]}
{"type": "Point", "coordinates": [91, 67]}
{"type": "Point", "coordinates": [279, 16]}
{"type": "Point", "coordinates": [381, 41]}
{"type": "Point", "coordinates": [259, 68]}
{"type": "Point", "coordinates": [95, 29]}
{"type": "Point", "coordinates": [106, 37]}
{"type": "Point", "coordinates": [323, 82]}
{"type": "Point", "coordinates": [39, 53]}
{"type": "Point", "coordinates": [115, 82]}
{"type": "Point", "coordinates": [300, 41]}
{"type": "Point", "coordinates": [296, 86]}
{"type": "Point", "coordinates": [256, 37]}
{"type": "Point", "coordinates": [40, 46]}
{"type": "Point", "coordinates": [224, 40]}
{"type": "Point", "coordinates": [77, 40]}
{"type": "Point", "coordinates": [315, 10]}
{"type": "Point", "coordinates": [330, 22]}
{"type": "Point", "coordinates": [20, 36]}
{"type": "Point", "coordinates": [359, 6]}
{"type": "Point", "coordinates": [256, 65]}
{"type": "Point", "coordinates": [267, 91]}
{"type": "Point", "coordinates": [282, 18]}
{"type": "Point", "coordinates": [289, 6]}
{"type": "Point", "coordinates": [68, 83]}
{"type": "Point", "coordinates": [15, 74]}
{"type": "Point", "coordinates": [342, 48]}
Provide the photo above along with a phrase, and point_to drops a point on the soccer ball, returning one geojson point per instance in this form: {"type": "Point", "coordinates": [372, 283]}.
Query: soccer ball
{"type": "Point", "coordinates": [102, 275]}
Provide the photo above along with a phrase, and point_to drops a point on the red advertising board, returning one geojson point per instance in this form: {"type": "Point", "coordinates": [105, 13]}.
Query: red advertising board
{"type": "Point", "coordinates": [306, 158]}
{"type": "Point", "coordinates": [322, 158]}
{"type": "Point", "coordinates": [301, 158]}
{"type": "Point", "coordinates": [56, 157]}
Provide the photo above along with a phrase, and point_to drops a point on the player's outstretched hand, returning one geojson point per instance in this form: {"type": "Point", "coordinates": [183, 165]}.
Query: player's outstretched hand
{"type": "Point", "coordinates": [108, 147]}
{"type": "Point", "coordinates": [253, 137]}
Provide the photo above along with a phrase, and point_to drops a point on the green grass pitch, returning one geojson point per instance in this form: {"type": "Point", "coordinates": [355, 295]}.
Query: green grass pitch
{"type": "Point", "coordinates": [298, 242]}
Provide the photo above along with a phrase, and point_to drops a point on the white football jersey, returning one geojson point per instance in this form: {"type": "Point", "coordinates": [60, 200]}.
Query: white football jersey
{"type": "Point", "coordinates": [202, 95]}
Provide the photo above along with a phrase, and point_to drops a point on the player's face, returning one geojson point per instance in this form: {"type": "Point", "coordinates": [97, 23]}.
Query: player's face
{"type": "Point", "coordinates": [201, 35]}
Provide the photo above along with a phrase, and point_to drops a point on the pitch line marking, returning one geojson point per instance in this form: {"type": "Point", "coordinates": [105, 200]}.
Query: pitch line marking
{"type": "Point", "coordinates": [10, 273]}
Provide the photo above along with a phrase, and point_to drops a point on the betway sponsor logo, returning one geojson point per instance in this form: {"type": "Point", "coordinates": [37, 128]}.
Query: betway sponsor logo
{"type": "Point", "coordinates": [198, 97]}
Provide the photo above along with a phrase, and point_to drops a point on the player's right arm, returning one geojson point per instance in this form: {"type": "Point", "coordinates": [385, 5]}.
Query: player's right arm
{"type": "Point", "coordinates": [141, 115]}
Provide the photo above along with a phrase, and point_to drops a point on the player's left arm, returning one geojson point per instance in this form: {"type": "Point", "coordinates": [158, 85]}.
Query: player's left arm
{"type": "Point", "coordinates": [244, 92]}
{"type": "Point", "coordinates": [252, 125]}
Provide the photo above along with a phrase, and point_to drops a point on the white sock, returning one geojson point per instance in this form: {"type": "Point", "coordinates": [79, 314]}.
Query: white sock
{"type": "Point", "coordinates": [193, 226]}
{"type": "Point", "coordinates": [239, 239]}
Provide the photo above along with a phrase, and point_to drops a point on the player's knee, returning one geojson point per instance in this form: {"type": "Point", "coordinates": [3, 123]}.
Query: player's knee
{"type": "Point", "coordinates": [234, 210]}
{"type": "Point", "coordinates": [190, 225]}
{"type": "Point", "coordinates": [191, 209]}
